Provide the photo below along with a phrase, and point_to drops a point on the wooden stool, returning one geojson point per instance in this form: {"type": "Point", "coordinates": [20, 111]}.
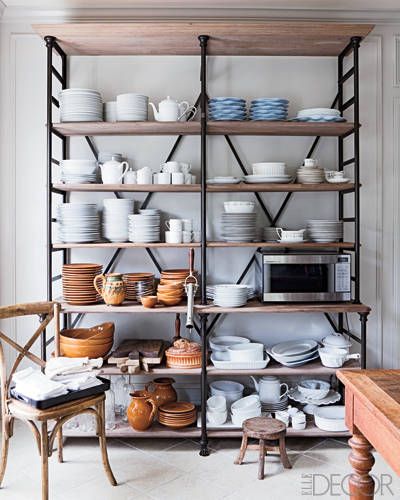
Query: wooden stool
{"type": "Point", "coordinates": [265, 430]}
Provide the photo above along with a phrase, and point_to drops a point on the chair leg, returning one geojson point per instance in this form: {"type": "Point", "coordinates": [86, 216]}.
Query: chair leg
{"type": "Point", "coordinates": [282, 450]}
{"type": "Point", "coordinates": [60, 446]}
{"type": "Point", "coordinates": [44, 455]}
{"type": "Point", "coordinates": [261, 459]}
{"type": "Point", "coordinates": [5, 438]}
{"type": "Point", "coordinates": [103, 444]}
{"type": "Point", "coordinates": [242, 451]}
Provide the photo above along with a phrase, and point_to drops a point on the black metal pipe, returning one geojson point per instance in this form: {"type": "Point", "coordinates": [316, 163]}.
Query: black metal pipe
{"type": "Point", "coordinates": [340, 139]}
{"type": "Point", "coordinates": [55, 101]}
{"type": "Point", "coordinates": [348, 133]}
{"type": "Point", "coordinates": [112, 260]}
{"type": "Point", "coordinates": [57, 48]}
{"type": "Point", "coordinates": [77, 320]}
{"type": "Point", "coordinates": [349, 47]}
{"type": "Point", "coordinates": [356, 44]}
{"type": "Point", "coordinates": [331, 322]}
{"type": "Point", "coordinates": [348, 103]}
{"type": "Point", "coordinates": [155, 262]}
{"type": "Point", "coordinates": [56, 278]}
{"type": "Point", "coordinates": [146, 200]}
{"type": "Point", "coordinates": [351, 335]}
{"type": "Point", "coordinates": [347, 75]}
{"type": "Point", "coordinates": [59, 77]}
{"type": "Point", "coordinates": [56, 162]}
{"type": "Point", "coordinates": [363, 320]}
{"type": "Point", "coordinates": [348, 219]}
{"type": "Point", "coordinates": [348, 162]}
{"type": "Point", "coordinates": [56, 132]}
{"type": "Point", "coordinates": [204, 385]}
{"type": "Point", "coordinates": [92, 146]}
{"type": "Point", "coordinates": [340, 322]}
{"type": "Point", "coordinates": [281, 209]}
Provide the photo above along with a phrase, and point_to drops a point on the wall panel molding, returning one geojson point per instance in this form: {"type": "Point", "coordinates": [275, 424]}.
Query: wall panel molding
{"type": "Point", "coordinates": [396, 62]}
{"type": "Point", "coordinates": [395, 342]}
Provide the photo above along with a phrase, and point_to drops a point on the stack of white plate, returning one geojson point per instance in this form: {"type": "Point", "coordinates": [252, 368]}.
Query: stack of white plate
{"type": "Point", "coordinates": [115, 219]}
{"type": "Point", "coordinates": [79, 171]}
{"type": "Point", "coordinates": [80, 105]}
{"type": "Point", "coordinates": [310, 175]}
{"type": "Point", "coordinates": [79, 222]}
{"type": "Point", "coordinates": [238, 227]}
{"type": "Point", "coordinates": [325, 231]}
{"type": "Point", "coordinates": [132, 107]}
{"type": "Point", "coordinates": [274, 179]}
{"type": "Point", "coordinates": [145, 226]}
{"type": "Point", "coordinates": [295, 352]}
{"type": "Point", "coordinates": [280, 405]}
{"type": "Point", "coordinates": [251, 293]}
{"type": "Point", "coordinates": [319, 115]}
{"type": "Point", "coordinates": [230, 295]}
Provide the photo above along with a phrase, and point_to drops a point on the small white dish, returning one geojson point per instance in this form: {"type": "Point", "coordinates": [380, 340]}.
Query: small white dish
{"type": "Point", "coordinates": [313, 389]}
{"type": "Point", "coordinates": [330, 419]}
{"type": "Point", "coordinates": [240, 365]}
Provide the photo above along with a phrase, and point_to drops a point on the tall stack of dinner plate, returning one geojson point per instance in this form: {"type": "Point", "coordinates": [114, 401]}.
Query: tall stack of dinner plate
{"type": "Point", "coordinates": [144, 227]}
{"type": "Point", "coordinates": [325, 231]}
{"type": "Point", "coordinates": [230, 295]}
{"type": "Point", "coordinates": [132, 107]}
{"type": "Point", "coordinates": [269, 109]}
{"type": "Point", "coordinates": [115, 218]}
{"type": "Point", "coordinates": [78, 222]}
{"type": "Point", "coordinates": [227, 108]}
{"type": "Point", "coordinates": [80, 105]}
{"type": "Point", "coordinates": [295, 352]}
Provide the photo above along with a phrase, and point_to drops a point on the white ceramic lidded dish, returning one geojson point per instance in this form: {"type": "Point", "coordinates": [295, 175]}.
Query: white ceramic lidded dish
{"type": "Point", "coordinates": [246, 352]}
{"type": "Point", "coordinates": [313, 389]}
{"type": "Point", "coordinates": [334, 358]}
{"type": "Point", "coordinates": [239, 207]}
{"type": "Point", "coordinates": [330, 418]}
{"type": "Point", "coordinates": [219, 345]}
{"type": "Point", "coordinates": [336, 341]}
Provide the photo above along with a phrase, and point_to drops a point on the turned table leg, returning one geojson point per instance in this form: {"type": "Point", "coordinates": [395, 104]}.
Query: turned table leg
{"type": "Point", "coordinates": [361, 484]}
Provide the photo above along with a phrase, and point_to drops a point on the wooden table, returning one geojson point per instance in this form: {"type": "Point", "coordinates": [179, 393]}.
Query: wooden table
{"type": "Point", "coordinates": [373, 417]}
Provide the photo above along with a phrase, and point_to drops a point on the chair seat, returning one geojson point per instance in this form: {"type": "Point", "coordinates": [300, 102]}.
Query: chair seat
{"type": "Point", "coordinates": [27, 412]}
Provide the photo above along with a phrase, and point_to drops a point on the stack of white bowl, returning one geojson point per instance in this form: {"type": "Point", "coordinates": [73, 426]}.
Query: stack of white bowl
{"type": "Point", "coordinates": [217, 412]}
{"type": "Point", "coordinates": [80, 105]}
{"type": "Point", "coordinates": [110, 111]}
{"type": "Point", "coordinates": [231, 391]}
{"type": "Point", "coordinates": [310, 172]}
{"type": "Point", "coordinates": [325, 231]}
{"type": "Point", "coordinates": [79, 171]}
{"type": "Point", "coordinates": [79, 222]}
{"type": "Point", "coordinates": [132, 107]}
{"type": "Point", "coordinates": [248, 407]}
{"type": "Point", "coordinates": [219, 345]}
{"type": "Point", "coordinates": [115, 219]}
{"type": "Point", "coordinates": [230, 295]}
{"type": "Point", "coordinates": [144, 227]}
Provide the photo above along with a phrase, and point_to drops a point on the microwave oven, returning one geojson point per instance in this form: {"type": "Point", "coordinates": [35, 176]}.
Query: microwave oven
{"type": "Point", "coordinates": [304, 277]}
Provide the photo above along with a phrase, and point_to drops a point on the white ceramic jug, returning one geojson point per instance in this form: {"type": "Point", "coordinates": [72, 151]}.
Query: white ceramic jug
{"type": "Point", "coordinates": [112, 171]}
{"type": "Point", "coordinates": [170, 110]}
{"type": "Point", "coordinates": [269, 389]}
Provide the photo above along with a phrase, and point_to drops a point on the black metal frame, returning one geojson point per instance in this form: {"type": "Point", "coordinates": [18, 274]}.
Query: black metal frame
{"type": "Point", "coordinates": [204, 330]}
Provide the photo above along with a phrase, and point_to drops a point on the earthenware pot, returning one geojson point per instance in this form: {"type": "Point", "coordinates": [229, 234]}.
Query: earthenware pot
{"type": "Point", "coordinates": [161, 391]}
{"type": "Point", "coordinates": [113, 288]}
{"type": "Point", "coordinates": [141, 411]}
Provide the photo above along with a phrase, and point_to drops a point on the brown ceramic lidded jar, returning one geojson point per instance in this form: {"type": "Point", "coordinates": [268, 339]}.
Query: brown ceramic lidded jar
{"type": "Point", "coordinates": [113, 288]}
{"type": "Point", "coordinates": [160, 390]}
{"type": "Point", "coordinates": [141, 411]}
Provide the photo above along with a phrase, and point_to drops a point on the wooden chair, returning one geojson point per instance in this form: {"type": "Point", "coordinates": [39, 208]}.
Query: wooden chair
{"type": "Point", "coordinates": [36, 419]}
{"type": "Point", "coordinates": [270, 434]}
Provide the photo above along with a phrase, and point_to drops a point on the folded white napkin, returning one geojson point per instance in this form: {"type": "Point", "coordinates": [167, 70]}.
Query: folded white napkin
{"type": "Point", "coordinates": [62, 365]}
{"type": "Point", "coordinates": [35, 385]}
{"type": "Point", "coordinates": [79, 381]}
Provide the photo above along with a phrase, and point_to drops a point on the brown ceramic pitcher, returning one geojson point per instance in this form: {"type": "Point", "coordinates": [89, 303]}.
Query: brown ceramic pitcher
{"type": "Point", "coordinates": [141, 411]}
{"type": "Point", "coordinates": [113, 288]}
{"type": "Point", "coordinates": [160, 390]}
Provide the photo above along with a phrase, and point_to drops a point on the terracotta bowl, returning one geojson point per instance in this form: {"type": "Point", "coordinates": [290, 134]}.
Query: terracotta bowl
{"type": "Point", "coordinates": [173, 286]}
{"type": "Point", "coordinates": [105, 330]}
{"type": "Point", "coordinates": [149, 301]}
{"type": "Point", "coordinates": [96, 351]}
{"type": "Point", "coordinates": [173, 293]}
{"type": "Point", "coordinates": [84, 342]}
{"type": "Point", "coordinates": [168, 301]}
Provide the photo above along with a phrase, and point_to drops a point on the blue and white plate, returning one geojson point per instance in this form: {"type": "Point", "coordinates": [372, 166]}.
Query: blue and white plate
{"type": "Point", "coordinates": [227, 118]}
{"type": "Point", "coordinates": [231, 107]}
{"type": "Point", "coordinates": [270, 99]}
{"type": "Point", "coordinates": [227, 99]}
{"type": "Point", "coordinates": [319, 118]}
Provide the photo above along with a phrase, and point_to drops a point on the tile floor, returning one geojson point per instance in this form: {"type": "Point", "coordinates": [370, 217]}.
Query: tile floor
{"type": "Point", "coordinates": [172, 469]}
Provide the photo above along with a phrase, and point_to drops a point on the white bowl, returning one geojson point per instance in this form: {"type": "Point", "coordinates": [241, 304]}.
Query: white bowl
{"type": "Point", "coordinates": [216, 403]}
{"type": "Point", "coordinates": [330, 418]}
{"type": "Point", "coordinates": [231, 391]}
{"type": "Point", "coordinates": [217, 418]}
{"type": "Point", "coordinates": [314, 389]}
{"type": "Point", "coordinates": [239, 207]}
{"type": "Point", "coordinates": [245, 404]}
{"type": "Point", "coordinates": [334, 358]}
{"type": "Point", "coordinates": [246, 352]}
{"type": "Point", "coordinates": [269, 168]}
{"type": "Point", "coordinates": [238, 419]}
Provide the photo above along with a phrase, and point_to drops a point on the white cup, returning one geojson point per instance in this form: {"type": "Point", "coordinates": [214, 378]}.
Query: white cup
{"type": "Point", "coordinates": [196, 236]}
{"type": "Point", "coordinates": [310, 162]}
{"type": "Point", "coordinates": [174, 224]}
{"type": "Point", "coordinates": [173, 236]}
{"type": "Point", "coordinates": [177, 178]}
{"type": "Point", "coordinates": [188, 178]}
{"type": "Point", "coordinates": [144, 176]}
{"type": "Point", "coordinates": [187, 224]}
{"type": "Point", "coordinates": [185, 167]}
{"type": "Point", "coordinates": [130, 177]}
{"type": "Point", "coordinates": [155, 178]}
{"type": "Point", "coordinates": [171, 166]}
{"type": "Point", "coordinates": [187, 236]}
{"type": "Point", "coordinates": [163, 178]}
{"type": "Point", "coordinates": [113, 174]}
{"type": "Point", "coordinates": [193, 179]}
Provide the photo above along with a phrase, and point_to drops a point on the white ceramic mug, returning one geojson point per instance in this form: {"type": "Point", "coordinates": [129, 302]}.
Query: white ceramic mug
{"type": "Point", "coordinates": [173, 236]}
{"type": "Point", "coordinates": [193, 179]}
{"type": "Point", "coordinates": [144, 176]}
{"type": "Point", "coordinates": [171, 166]}
{"type": "Point", "coordinates": [163, 178]}
{"type": "Point", "coordinates": [187, 236]}
{"type": "Point", "coordinates": [177, 178]}
{"type": "Point", "coordinates": [185, 167]}
{"type": "Point", "coordinates": [174, 224]}
{"type": "Point", "coordinates": [130, 177]}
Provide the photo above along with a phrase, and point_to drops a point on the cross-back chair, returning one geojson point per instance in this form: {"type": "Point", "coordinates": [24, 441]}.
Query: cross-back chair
{"type": "Point", "coordinates": [37, 419]}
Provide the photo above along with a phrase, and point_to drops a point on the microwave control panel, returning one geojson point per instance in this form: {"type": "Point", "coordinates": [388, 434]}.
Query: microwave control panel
{"type": "Point", "coordinates": [342, 274]}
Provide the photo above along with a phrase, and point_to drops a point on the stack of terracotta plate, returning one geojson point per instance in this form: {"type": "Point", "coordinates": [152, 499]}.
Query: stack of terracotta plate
{"type": "Point", "coordinates": [138, 285]}
{"type": "Point", "coordinates": [77, 283]}
{"type": "Point", "coordinates": [176, 415]}
{"type": "Point", "coordinates": [171, 276]}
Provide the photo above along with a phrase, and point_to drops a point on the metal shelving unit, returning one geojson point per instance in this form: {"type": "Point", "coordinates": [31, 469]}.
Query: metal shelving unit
{"type": "Point", "coordinates": [203, 39]}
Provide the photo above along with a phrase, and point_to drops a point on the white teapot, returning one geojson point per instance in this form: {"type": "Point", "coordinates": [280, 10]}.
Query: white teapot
{"type": "Point", "coordinates": [269, 389]}
{"type": "Point", "coordinates": [113, 171]}
{"type": "Point", "coordinates": [170, 110]}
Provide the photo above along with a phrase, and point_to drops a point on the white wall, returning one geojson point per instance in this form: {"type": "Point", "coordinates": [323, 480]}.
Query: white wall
{"type": "Point", "coordinates": [305, 81]}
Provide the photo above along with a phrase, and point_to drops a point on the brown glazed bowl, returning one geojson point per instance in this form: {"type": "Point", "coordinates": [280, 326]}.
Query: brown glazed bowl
{"type": "Point", "coordinates": [103, 331]}
{"type": "Point", "coordinates": [94, 351]}
{"type": "Point", "coordinates": [169, 301]}
{"type": "Point", "coordinates": [149, 301]}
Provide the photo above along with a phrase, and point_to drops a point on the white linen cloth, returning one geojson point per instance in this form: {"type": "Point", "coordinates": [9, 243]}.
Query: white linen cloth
{"type": "Point", "coordinates": [64, 366]}
{"type": "Point", "coordinates": [33, 384]}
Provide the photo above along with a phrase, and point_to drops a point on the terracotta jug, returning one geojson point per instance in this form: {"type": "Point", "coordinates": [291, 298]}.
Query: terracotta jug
{"type": "Point", "coordinates": [141, 411]}
{"type": "Point", "coordinates": [161, 391]}
{"type": "Point", "coordinates": [113, 288]}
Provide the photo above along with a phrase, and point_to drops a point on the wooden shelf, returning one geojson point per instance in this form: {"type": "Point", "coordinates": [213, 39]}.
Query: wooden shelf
{"type": "Point", "coordinates": [127, 308]}
{"type": "Point", "coordinates": [280, 38]}
{"type": "Point", "coordinates": [127, 244]}
{"type": "Point", "coordinates": [257, 307]}
{"type": "Point", "coordinates": [299, 246]}
{"type": "Point", "coordinates": [267, 128]}
{"type": "Point", "coordinates": [273, 368]}
{"type": "Point", "coordinates": [123, 430]}
{"type": "Point", "coordinates": [211, 188]}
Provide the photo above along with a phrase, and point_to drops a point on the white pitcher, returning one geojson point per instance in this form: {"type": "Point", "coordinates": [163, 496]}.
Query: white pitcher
{"type": "Point", "coordinates": [269, 389]}
{"type": "Point", "coordinates": [112, 171]}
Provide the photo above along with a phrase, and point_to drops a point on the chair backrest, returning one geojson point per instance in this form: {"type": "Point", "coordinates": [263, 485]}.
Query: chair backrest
{"type": "Point", "coordinates": [47, 311]}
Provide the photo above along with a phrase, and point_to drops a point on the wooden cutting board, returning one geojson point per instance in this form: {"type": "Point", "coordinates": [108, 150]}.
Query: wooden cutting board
{"type": "Point", "coordinates": [150, 350]}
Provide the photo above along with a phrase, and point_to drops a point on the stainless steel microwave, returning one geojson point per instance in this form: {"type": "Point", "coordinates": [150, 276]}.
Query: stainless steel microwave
{"type": "Point", "coordinates": [304, 277]}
